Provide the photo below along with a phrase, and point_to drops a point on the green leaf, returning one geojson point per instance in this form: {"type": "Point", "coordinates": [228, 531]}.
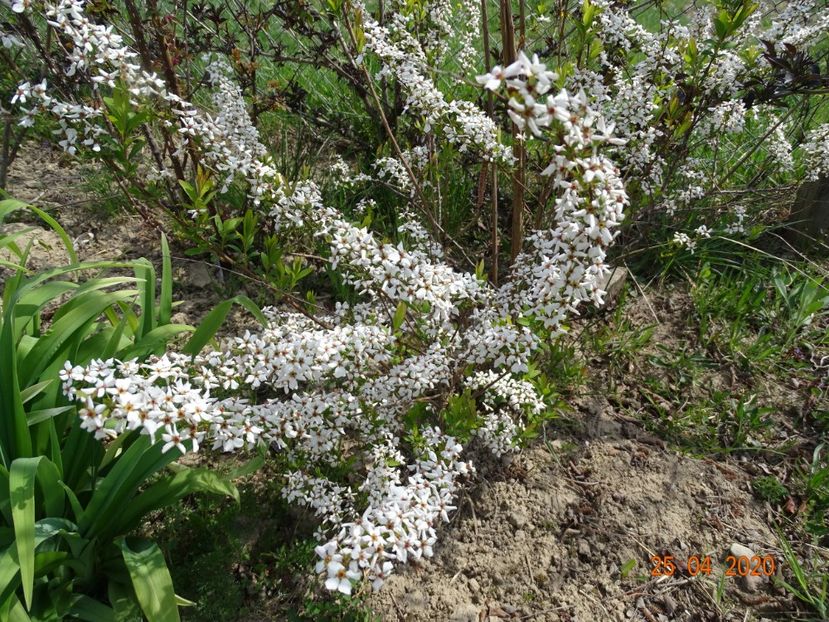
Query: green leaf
{"type": "Point", "coordinates": [7, 206]}
{"type": "Point", "coordinates": [122, 598]}
{"type": "Point", "coordinates": [150, 579]}
{"type": "Point", "coordinates": [120, 483]}
{"type": "Point", "coordinates": [67, 241]}
{"type": "Point", "coordinates": [86, 608]}
{"type": "Point", "coordinates": [166, 302]}
{"type": "Point", "coordinates": [150, 342]}
{"type": "Point", "coordinates": [33, 391]}
{"type": "Point", "coordinates": [17, 613]}
{"type": "Point", "coordinates": [22, 476]}
{"type": "Point", "coordinates": [114, 343]}
{"type": "Point", "coordinates": [250, 467]}
{"type": "Point", "coordinates": [70, 326]}
{"type": "Point", "coordinates": [170, 490]}
{"type": "Point", "coordinates": [146, 272]}
{"type": "Point", "coordinates": [399, 316]}
{"type": "Point", "coordinates": [39, 416]}
{"type": "Point", "coordinates": [627, 567]}
{"type": "Point", "coordinates": [213, 320]}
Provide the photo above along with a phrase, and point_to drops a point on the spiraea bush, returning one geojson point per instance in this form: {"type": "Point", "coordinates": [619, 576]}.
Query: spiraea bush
{"type": "Point", "coordinates": [531, 136]}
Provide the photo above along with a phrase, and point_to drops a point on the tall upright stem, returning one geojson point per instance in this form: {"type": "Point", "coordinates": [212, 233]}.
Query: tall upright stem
{"type": "Point", "coordinates": [4, 157]}
{"type": "Point", "coordinates": [509, 52]}
{"type": "Point", "coordinates": [490, 110]}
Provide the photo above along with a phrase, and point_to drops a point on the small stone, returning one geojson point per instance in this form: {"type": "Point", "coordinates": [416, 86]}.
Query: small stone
{"type": "Point", "coordinates": [584, 549]}
{"type": "Point", "coordinates": [517, 520]}
{"type": "Point", "coordinates": [474, 586]}
{"type": "Point", "coordinates": [198, 275]}
{"type": "Point", "coordinates": [669, 603]}
{"type": "Point", "coordinates": [748, 583]}
{"type": "Point", "coordinates": [467, 612]}
{"type": "Point", "coordinates": [613, 284]}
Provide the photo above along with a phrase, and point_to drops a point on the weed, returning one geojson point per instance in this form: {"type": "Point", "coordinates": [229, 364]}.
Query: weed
{"type": "Point", "coordinates": [809, 587]}
{"type": "Point", "coordinates": [769, 488]}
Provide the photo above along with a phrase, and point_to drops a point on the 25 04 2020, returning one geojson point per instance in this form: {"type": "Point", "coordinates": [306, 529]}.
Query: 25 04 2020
{"type": "Point", "coordinates": [735, 565]}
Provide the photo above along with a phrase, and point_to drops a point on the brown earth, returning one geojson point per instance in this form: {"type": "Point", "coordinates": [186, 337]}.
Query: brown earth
{"type": "Point", "coordinates": [569, 533]}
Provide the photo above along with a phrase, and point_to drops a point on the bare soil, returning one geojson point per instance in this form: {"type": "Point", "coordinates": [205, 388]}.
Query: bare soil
{"type": "Point", "coordinates": [570, 530]}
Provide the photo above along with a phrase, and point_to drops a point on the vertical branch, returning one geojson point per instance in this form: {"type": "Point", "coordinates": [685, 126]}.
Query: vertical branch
{"type": "Point", "coordinates": [522, 23]}
{"type": "Point", "coordinates": [4, 156]}
{"type": "Point", "coordinates": [509, 51]}
{"type": "Point", "coordinates": [490, 110]}
{"type": "Point", "coordinates": [137, 28]}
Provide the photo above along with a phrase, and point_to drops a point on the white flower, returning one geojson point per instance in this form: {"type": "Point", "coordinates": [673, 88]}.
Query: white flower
{"type": "Point", "coordinates": [340, 578]}
{"type": "Point", "coordinates": [23, 91]}
{"type": "Point", "coordinates": [21, 6]}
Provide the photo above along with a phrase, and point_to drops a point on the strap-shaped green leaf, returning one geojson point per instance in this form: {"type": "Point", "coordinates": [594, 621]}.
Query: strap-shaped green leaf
{"type": "Point", "coordinates": [145, 274]}
{"type": "Point", "coordinates": [68, 327]}
{"type": "Point", "coordinates": [67, 242]}
{"type": "Point", "coordinates": [7, 206]}
{"type": "Point", "coordinates": [114, 343]}
{"type": "Point", "coordinates": [16, 612]}
{"type": "Point", "coordinates": [150, 579]}
{"type": "Point", "coordinates": [9, 565]}
{"type": "Point", "coordinates": [171, 489]}
{"type": "Point", "coordinates": [39, 416]}
{"type": "Point", "coordinates": [113, 494]}
{"type": "Point", "coordinates": [165, 302]}
{"type": "Point", "coordinates": [86, 608]}
{"type": "Point", "coordinates": [14, 429]}
{"type": "Point", "coordinates": [22, 475]}
{"type": "Point", "coordinates": [149, 343]}
{"type": "Point", "coordinates": [213, 320]}
{"type": "Point", "coordinates": [122, 598]}
{"type": "Point", "coordinates": [33, 391]}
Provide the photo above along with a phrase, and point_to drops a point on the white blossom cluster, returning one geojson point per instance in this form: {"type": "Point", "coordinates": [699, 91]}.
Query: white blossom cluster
{"type": "Point", "coordinates": [95, 53]}
{"type": "Point", "coordinates": [780, 149]}
{"type": "Point", "coordinates": [505, 401]}
{"type": "Point", "coordinates": [445, 30]}
{"type": "Point", "coordinates": [563, 266]}
{"type": "Point", "coordinates": [398, 274]}
{"type": "Point", "coordinates": [158, 398]}
{"type": "Point", "coordinates": [337, 387]}
{"type": "Point", "coordinates": [462, 122]}
{"type": "Point", "coordinates": [399, 523]}
{"type": "Point", "coordinates": [738, 224]}
{"type": "Point", "coordinates": [728, 117]}
{"type": "Point", "coordinates": [798, 23]}
{"type": "Point", "coordinates": [816, 152]}
{"type": "Point", "coordinates": [232, 141]}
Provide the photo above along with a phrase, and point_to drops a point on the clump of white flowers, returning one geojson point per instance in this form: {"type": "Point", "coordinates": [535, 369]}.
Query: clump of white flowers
{"type": "Point", "coordinates": [816, 150]}
{"type": "Point", "coordinates": [461, 122]}
{"type": "Point", "coordinates": [336, 388]}
{"type": "Point", "coordinates": [563, 266]}
{"type": "Point", "coordinates": [505, 401]}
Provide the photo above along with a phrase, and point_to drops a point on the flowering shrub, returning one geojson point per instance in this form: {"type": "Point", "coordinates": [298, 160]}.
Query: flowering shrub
{"type": "Point", "coordinates": [366, 404]}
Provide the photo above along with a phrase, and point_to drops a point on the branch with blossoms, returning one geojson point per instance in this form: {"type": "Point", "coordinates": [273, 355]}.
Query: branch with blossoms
{"type": "Point", "coordinates": [366, 384]}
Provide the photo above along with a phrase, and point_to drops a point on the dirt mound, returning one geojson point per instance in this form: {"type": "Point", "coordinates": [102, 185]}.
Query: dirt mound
{"type": "Point", "coordinates": [552, 539]}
